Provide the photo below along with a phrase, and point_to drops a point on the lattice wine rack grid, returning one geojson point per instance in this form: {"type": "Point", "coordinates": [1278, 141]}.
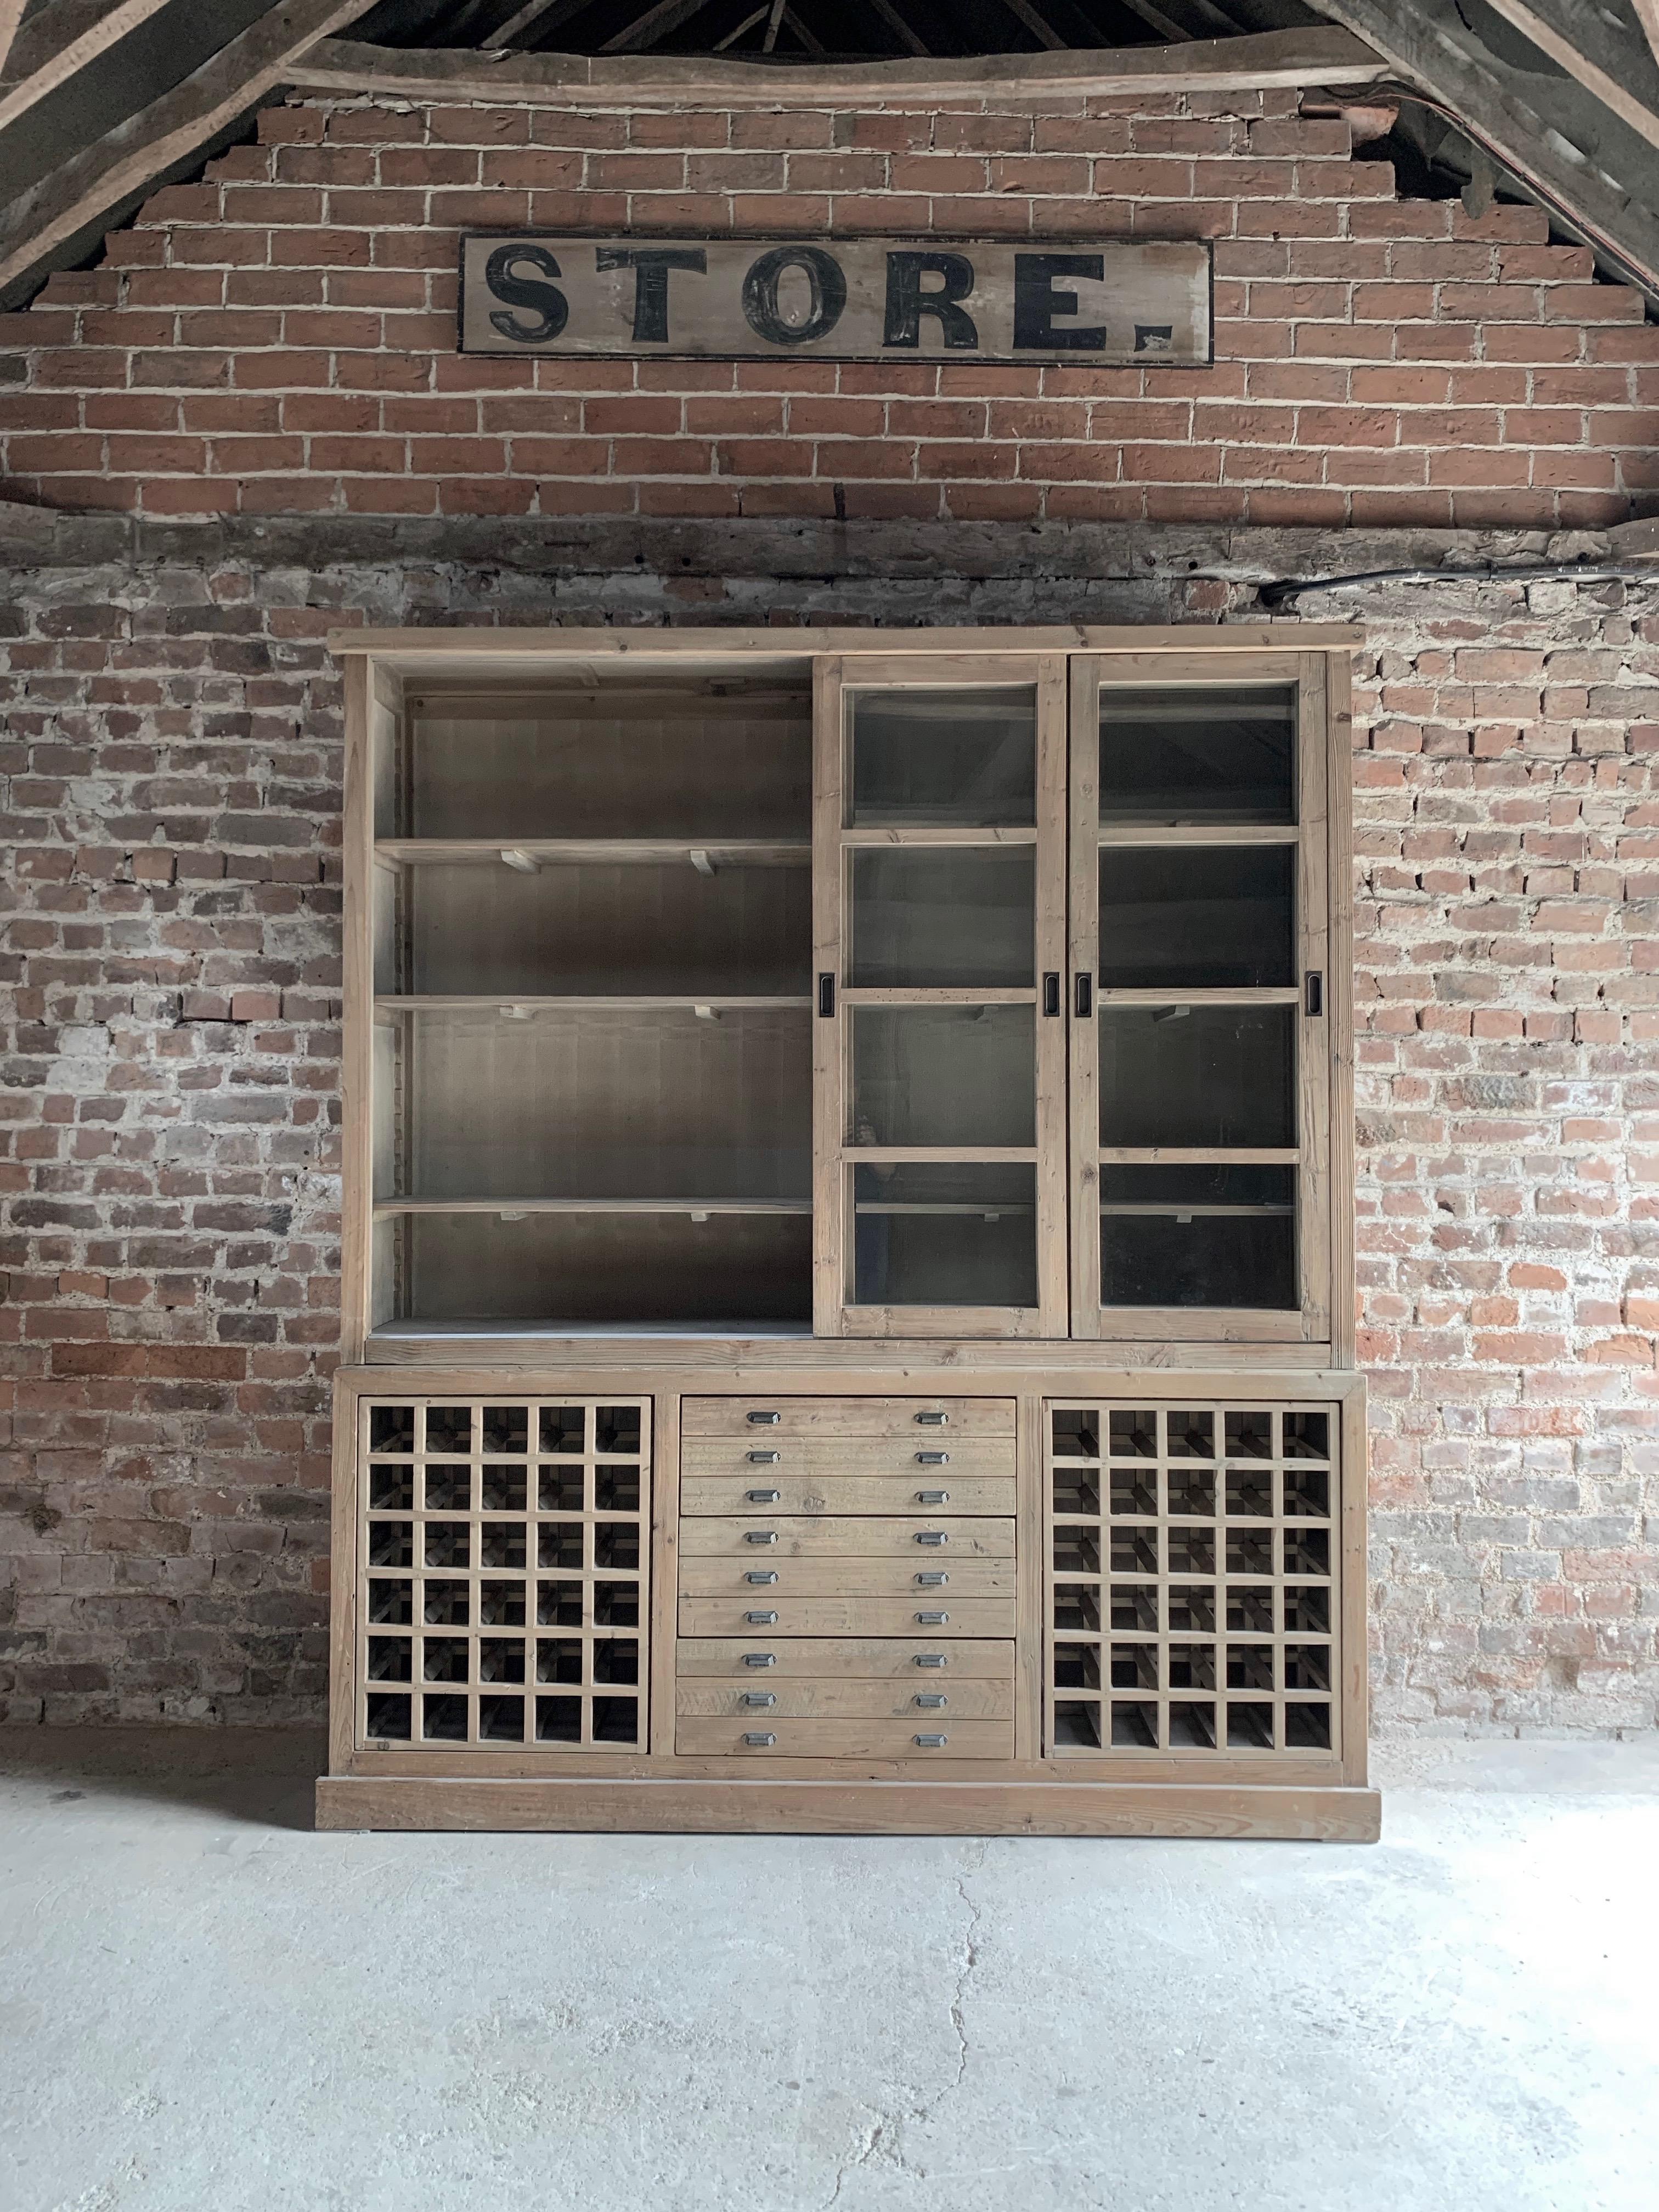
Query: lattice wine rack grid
{"type": "Point", "coordinates": [1192, 1584]}
{"type": "Point", "coordinates": [502, 1589]}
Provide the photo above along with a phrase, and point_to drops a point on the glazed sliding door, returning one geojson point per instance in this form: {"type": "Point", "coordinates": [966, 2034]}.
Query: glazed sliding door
{"type": "Point", "coordinates": [1200, 998]}
{"type": "Point", "coordinates": [939, 1068]}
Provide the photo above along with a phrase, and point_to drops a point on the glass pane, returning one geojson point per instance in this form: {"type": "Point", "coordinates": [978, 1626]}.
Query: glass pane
{"type": "Point", "coordinates": [1213, 918]}
{"type": "Point", "coordinates": [1197, 756]}
{"type": "Point", "coordinates": [1198, 1237]}
{"type": "Point", "coordinates": [960, 758]}
{"type": "Point", "coordinates": [1198, 1075]}
{"type": "Point", "coordinates": [944, 1075]}
{"type": "Point", "coordinates": [931, 918]}
{"type": "Point", "coordinates": [947, 1235]}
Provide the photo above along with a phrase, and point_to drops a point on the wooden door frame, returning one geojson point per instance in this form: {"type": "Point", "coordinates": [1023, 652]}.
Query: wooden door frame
{"type": "Point", "coordinates": [835, 1313]}
{"type": "Point", "coordinates": [1319, 867]}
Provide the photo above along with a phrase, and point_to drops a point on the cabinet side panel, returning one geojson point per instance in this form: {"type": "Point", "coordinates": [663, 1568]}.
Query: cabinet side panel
{"type": "Point", "coordinates": [1339, 784]}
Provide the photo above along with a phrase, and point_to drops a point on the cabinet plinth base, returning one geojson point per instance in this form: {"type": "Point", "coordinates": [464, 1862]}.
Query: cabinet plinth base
{"type": "Point", "coordinates": [924, 1808]}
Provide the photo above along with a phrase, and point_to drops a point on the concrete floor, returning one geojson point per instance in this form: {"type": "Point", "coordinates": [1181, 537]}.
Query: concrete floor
{"type": "Point", "coordinates": [204, 2004]}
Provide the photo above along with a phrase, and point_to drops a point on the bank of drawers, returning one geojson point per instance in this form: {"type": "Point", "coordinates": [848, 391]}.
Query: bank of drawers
{"type": "Point", "coordinates": [819, 1539]}
{"type": "Point", "coordinates": [843, 1697]}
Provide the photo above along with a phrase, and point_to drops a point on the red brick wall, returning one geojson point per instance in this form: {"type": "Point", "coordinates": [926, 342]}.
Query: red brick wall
{"type": "Point", "coordinates": [277, 342]}
{"type": "Point", "coordinates": [280, 338]}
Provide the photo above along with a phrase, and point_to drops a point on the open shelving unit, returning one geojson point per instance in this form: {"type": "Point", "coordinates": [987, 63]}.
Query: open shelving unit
{"type": "Point", "coordinates": [592, 1079]}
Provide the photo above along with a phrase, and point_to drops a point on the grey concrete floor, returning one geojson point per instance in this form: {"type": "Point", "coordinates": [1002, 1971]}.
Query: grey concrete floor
{"type": "Point", "coordinates": [204, 2004]}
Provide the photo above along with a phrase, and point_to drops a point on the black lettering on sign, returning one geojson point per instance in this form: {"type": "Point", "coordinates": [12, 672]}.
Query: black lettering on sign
{"type": "Point", "coordinates": [760, 295]}
{"type": "Point", "coordinates": [652, 264]}
{"type": "Point", "coordinates": [907, 303]}
{"type": "Point", "coordinates": [551, 308]}
{"type": "Point", "coordinates": [1036, 302]}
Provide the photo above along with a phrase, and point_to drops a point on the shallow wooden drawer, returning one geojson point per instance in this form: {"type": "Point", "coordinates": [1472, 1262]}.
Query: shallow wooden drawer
{"type": "Point", "coordinates": [929, 1463]}
{"type": "Point", "coordinates": [926, 1584]}
{"type": "Point", "coordinates": [910, 1616]}
{"type": "Point", "coordinates": [709, 1736]}
{"type": "Point", "coordinates": [846, 1417]}
{"type": "Point", "coordinates": [769, 1658]}
{"type": "Point", "coordinates": [761, 1541]}
{"type": "Point", "coordinates": [923, 1701]}
{"type": "Point", "coordinates": [778, 1491]}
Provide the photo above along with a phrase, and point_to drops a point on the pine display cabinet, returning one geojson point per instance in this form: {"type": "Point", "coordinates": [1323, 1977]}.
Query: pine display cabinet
{"type": "Point", "coordinates": [848, 1276]}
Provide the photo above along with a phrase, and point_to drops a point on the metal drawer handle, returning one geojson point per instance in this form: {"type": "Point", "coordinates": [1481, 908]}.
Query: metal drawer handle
{"type": "Point", "coordinates": [923, 1620]}
{"type": "Point", "coordinates": [763, 1458]}
{"type": "Point", "coordinates": [759, 1735]}
{"type": "Point", "coordinates": [931, 1659]}
{"type": "Point", "coordinates": [932, 1698]}
{"type": "Point", "coordinates": [766, 1697]}
{"type": "Point", "coordinates": [762, 1421]}
{"type": "Point", "coordinates": [934, 1536]}
{"type": "Point", "coordinates": [932, 1420]}
{"type": "Point", "coordinates": [760, 1535]}
{"type": "Point", "coordinates": [762, 1497]}
{"type": "Point", "coordinates": [762, 1620]}
{"type": "Point", "coordinates": [932, 1582]}
{"type": "Point", "coordinates": [933, 1459]}
{"type": "Point", "coordinates": [933, 1742]}
{"type": "Point", "coordinates": [761, 1575]}
{"type": "Point", "coordinates": [760, 1658]}
{"type": "Point", "coordinates": [933, 1498]}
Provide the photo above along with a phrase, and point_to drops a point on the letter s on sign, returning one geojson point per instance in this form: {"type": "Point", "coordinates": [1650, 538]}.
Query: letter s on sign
{"type": "Point", "coordinates": [551, 307]}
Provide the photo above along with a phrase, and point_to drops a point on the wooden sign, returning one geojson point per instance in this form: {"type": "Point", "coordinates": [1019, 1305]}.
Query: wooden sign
{"type": "Point", "coordinates": [1075, 300]}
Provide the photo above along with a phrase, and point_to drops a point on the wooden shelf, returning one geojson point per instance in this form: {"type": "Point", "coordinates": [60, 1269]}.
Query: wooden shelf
{"type": "Point", "coordinates": [513, 1007]}
{"type": "Point", "coordinates": [1198, 833]}
{"type": "Point", "coordinates": [1280, 994]}
{"type": "Point", "coordinates": [1177, 1211]}
{"type": "Point", "coordinates": [386, 1207]}
{"type": "Point", "coordinates": [974, 1213]}
{"type": "Point", "coordinates": [597, 852]}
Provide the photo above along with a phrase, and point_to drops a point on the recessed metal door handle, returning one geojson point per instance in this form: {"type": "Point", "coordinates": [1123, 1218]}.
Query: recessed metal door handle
{"type": "Point", "coordinates": [1051, 993]}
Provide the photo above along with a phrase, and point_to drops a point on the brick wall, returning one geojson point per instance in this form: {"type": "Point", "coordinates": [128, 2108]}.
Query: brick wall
{"type": "Point", "coordinates": [260, 377]}
{"type": "Point", "coordinates": [280, 338]}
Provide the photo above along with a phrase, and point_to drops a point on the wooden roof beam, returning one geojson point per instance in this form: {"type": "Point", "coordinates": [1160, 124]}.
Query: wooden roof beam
{"type": "Point", "coordinates": [1609, 58]}
{"type": "Point", "coordinates": [11, 15]}
{"type": "Point", "coordinates": [1321, 54]}
{"type": "Point", "coordinates": [94, 179]}
{"type": "Point", "coordinates": [60, 41]}
{"type": "Point", "coordinates": [1433, 48]}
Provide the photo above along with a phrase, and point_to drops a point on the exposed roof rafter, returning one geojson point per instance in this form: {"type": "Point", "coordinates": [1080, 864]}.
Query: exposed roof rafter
{"type": "Point", "coordinates": [95, 178]}
{"type": "Point", "coordinates": [80, 43]}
